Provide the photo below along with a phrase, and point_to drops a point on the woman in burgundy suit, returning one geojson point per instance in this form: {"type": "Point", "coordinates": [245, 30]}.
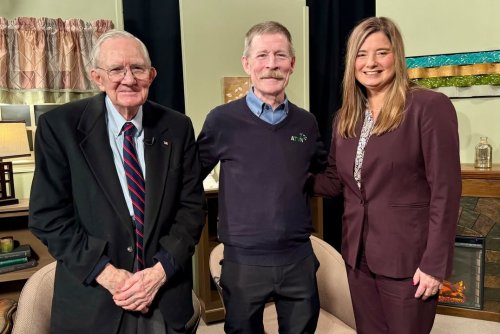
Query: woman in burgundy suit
{"type": "Point", "coordinates": [395, 157]}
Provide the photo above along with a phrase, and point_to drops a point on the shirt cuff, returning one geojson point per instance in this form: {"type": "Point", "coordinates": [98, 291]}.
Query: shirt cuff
{"type": "Point", "coordinates": [167, 261]}
{"type": "Point", "coordinates": [99, 267]}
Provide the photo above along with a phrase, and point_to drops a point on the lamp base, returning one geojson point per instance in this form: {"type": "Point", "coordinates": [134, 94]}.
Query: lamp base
{"type": "Point", "coordinates": [7, 192]}
{"type": "Point", "coordinates": [9, 201]}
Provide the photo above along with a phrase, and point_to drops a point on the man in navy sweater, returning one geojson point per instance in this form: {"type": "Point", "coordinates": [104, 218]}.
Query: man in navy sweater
{"type": "Point", "coordinates": [267, 148]}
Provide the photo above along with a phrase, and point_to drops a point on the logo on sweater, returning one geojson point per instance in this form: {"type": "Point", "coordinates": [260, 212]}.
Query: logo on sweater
{"type": "Point", "coordinates": [300, 138]}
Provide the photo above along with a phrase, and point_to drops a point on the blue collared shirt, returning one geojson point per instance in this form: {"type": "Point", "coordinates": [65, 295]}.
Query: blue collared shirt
{"type": "Point", "coordinates": [264, 111]}
{"type": "Point", "coordinates": [115, 124]}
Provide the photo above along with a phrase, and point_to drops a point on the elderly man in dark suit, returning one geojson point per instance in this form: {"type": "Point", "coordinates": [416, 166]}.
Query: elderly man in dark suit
{"type": "Point", "coordinates": [117, 199]}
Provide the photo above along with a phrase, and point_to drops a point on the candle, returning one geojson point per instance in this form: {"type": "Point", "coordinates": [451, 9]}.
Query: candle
{"type": "Point", "coordinates": [6, 244]}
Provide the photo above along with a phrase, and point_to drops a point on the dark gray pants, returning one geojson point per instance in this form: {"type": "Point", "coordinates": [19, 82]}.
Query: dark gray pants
{"type": "Point", "coordinates": [136, 323]}
{"type": "Point", "coordinates": [292, 287]}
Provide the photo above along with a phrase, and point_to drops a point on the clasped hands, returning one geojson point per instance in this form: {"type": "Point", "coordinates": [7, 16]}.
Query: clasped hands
{"type": "Point", "coordinates": [132, 291]}
{"type": "Point", "coordinates": [427, 284]}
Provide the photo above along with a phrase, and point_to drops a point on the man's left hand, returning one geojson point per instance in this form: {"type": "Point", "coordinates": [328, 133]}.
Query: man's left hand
{"type": "Point", "coordinates": [140, 289]}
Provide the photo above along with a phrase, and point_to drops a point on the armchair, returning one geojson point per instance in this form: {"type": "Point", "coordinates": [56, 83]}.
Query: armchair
{"type": "Point", "coordinates": [336, 313]}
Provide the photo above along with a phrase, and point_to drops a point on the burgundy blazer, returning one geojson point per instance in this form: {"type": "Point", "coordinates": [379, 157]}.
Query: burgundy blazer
{"type": "Point", "coordinates": [410, 192]}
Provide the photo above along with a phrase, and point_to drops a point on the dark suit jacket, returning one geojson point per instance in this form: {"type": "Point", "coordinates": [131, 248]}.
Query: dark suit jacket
{"type": "Point", "coordinates": [410, 192]}
{"type": "Point", "coordinates": [77, 208]}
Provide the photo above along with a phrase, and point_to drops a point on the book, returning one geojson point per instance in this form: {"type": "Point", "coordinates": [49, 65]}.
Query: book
{"type": "Point", "coordinates": [18, 252]}
{"type": "Point", "coordinates": [19, 266]}
{"type": "Point", "coordinates": [8, 262]}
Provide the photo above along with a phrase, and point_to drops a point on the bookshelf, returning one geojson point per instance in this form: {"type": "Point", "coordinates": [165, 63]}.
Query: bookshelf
{"type": "Point", "coordinates": [14, 218]}
{"type": "Point", "coordinates": [14, 222]}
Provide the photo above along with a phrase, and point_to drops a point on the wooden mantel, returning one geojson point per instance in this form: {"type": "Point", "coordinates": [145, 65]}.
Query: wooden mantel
{"type": "Point", "coordinates": [481, 182]}
{"type": "Point", "coordinates": [470, 172]}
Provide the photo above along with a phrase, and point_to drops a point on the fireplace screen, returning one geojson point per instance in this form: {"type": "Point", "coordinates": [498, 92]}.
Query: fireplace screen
{"type": "Point", "coordinates": [465, 286]}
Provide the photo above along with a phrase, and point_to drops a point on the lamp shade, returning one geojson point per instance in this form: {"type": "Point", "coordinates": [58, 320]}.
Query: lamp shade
{"type": "Point", "coordinates": [13, 140]}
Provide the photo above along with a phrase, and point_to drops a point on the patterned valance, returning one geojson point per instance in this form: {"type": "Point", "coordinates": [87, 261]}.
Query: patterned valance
{"type": "Point", "coordinates": [47, 59]}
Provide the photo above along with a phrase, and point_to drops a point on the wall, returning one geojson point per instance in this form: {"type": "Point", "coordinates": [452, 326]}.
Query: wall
{"type": "Point", "coordinates": [451, 26]}
{"type": "Point", "coordinates": [212, 45]}
{"type": "Point", "coordinates": [87, 10]}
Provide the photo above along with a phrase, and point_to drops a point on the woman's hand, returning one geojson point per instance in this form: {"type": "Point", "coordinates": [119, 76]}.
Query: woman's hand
{"type": "Point", "coordinates": [427, 285]}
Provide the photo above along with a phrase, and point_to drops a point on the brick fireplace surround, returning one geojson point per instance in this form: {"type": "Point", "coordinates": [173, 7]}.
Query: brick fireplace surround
{"type": "Point", "coordinates": [480, 216]}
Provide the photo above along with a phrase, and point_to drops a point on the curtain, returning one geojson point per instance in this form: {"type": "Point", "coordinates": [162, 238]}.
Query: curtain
{"type": "Point", "coordinates": [44, 60]}
{"type": "Point", "coordinates": [157, 24]}
{"type": "Point", "coordinates": [330, 22]}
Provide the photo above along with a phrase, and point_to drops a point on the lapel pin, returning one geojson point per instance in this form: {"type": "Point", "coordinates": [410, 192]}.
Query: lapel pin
{"type": "Point", "coordinates": [165, 143]}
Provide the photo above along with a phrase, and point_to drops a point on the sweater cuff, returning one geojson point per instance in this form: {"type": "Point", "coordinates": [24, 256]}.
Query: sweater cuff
{"type": "Point", "coordinates": [167, 261]}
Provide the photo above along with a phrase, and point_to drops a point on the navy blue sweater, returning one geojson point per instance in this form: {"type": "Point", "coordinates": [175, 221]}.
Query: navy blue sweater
{"type": "Point", "coordinates": [264, 216]}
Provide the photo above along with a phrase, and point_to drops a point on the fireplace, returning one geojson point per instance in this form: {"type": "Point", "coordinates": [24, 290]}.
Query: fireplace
{"type": "Point", "coordinates": [465, 286]}
{"type": "Point", "coordinates": [480, 218]}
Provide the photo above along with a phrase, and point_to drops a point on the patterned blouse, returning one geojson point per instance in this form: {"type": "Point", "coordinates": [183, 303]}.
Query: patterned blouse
{"type": "Point", "coordinates": [363, 140]}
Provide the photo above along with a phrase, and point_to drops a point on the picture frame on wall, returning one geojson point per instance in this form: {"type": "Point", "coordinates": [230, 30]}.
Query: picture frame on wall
{"type": "Point", "coordinates": [235, 87]}
{"type": "Point", "coordinates": [458, 75]}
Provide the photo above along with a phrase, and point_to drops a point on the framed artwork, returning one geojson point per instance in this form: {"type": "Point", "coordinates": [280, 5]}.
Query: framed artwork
{"type": "Point", "coordinates": [458, 75]}
{"type": "Point", "coordinates": [235, 87]}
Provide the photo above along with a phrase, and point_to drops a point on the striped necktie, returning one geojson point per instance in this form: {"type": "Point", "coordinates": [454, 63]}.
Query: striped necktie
{"type": "Point", "coordinates": [136, 188]}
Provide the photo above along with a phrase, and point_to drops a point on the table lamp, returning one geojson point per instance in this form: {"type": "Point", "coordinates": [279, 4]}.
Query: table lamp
{"type": "Point", "coordinates": [13, 144]}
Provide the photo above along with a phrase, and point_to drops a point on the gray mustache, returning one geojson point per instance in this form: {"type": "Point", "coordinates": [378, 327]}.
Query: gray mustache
{"type": "Point", "coordinates": [272, 75]}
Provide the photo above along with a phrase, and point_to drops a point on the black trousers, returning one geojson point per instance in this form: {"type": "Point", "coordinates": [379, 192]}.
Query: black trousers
{"type": "Point", "coordinates": [293, 288]}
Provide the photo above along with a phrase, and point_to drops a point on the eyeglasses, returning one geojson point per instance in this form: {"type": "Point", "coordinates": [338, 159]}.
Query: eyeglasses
{"type": "Point", "coordinates": [117, 74]}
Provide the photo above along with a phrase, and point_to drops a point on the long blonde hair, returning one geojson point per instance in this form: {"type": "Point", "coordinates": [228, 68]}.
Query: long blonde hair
{"type": "Point", "coordinates": [354, 94]}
